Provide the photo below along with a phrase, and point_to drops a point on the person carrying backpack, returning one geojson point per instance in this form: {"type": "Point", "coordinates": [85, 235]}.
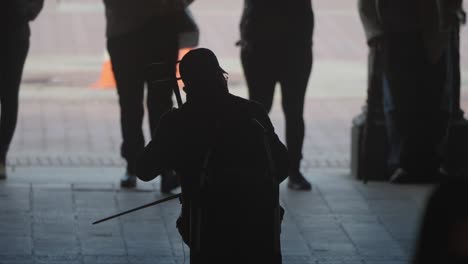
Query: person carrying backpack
{"type": "Point", "coordinates": [230, 163]}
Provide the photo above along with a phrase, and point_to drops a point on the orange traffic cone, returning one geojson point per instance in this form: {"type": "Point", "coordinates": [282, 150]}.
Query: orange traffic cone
{"type": "Point", "coordinates": [106, 80]}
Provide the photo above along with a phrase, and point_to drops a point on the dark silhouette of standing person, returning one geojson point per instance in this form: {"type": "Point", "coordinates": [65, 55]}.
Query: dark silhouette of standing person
{"type": "Point", "coordinates": [230, 162]}
{"type": "Point", "coordinates": [14, 47]}
{"type": "Point", "coordinates": [415, 83]}
{"type": "Point", "coordinates": [138, 34]}
{"type": "Point", "coordinates": [443, 235]}
{"type": "Point", "coordinates": [276, 47]}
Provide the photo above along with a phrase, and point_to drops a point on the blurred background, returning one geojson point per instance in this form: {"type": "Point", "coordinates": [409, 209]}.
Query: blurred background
{"type": "Point", "coordinates": [64, 115]}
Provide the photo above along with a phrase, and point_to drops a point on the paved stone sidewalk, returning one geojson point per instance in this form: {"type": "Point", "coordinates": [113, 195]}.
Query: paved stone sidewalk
{"type": "Point", "coordinates": [73, 128]}
{"type": "Point", "coordinates": [83, 129]}
{"type": "Point", "coordinates": [46, 216]}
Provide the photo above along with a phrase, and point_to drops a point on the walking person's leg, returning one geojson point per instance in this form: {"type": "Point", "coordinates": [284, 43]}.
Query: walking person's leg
{"type": "Point", "coordinates": [13, 57]}
{"type": "Point", "coordinates": [130, 80]}
{"type": "Point", "coordinates": [435, 124]}
{"type": "Point", "coordinates": [402, 71]}
{"type": "Point", "coordinates": [294, 78]}
{"type": "Point", "coordinates": [417, 86]}
{"type": "Point", "coordinates": [260, 74]}
{"type": "Point", "coordinates": [162, 48]}
{"type": "Point", "coordinates": [394, 142]}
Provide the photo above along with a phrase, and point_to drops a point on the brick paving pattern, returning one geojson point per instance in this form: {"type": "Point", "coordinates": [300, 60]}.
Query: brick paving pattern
{"type": "Point", "coordinates": [86, 132]}
{"type": "Point", "coordinates": [340, 221]}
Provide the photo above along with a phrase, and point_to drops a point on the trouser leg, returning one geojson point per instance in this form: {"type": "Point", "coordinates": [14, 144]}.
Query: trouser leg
{"type": "Point", "coordinates": [294, 78]}
{"type": "Point", "coordinates": [394, 142]}
{"type": "Point", "coordinates": [159, 96]}
{"type": "Point", "coordinates": [160, 45]}
{"type": "Point", "coordinates": [130, 80]}
{"type": "Point", "coordinates": [12, 62]}
{"type": "Point", "coordinates": [416, 86]}
{"type": "Point", "coordinates": [260, 75]}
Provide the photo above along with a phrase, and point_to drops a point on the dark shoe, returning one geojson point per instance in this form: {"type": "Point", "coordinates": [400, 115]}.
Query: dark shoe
{"type": "Point", "coordinates": [3, 174]}
{"type": "Point", "coordinates": [169, 181]}
{"type": "Point", "coordinates": [128, 181]}
{"type": "Point", "coordinates": [298, 182]}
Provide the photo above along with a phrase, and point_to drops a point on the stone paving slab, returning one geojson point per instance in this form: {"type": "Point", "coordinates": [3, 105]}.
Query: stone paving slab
{"type": "Point", "coordinates": [48, 219]}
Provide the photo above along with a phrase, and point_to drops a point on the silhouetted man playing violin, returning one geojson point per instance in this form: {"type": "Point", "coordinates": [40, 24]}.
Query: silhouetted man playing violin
{"type": "Point", "coordinates": [230, 163]}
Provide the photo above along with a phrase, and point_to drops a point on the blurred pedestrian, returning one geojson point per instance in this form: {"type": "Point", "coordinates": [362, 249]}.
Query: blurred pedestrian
{"type": "Point", "coordinates": [138, 34]}
{"type": "Point", "coordinates": [415, 80]}
{"type": "Point", "coordinates": [14, 48]}
{"type": "Point", "coordinates": [443, 237]}
{"type": "Point", "coordinates": [276, 47]}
